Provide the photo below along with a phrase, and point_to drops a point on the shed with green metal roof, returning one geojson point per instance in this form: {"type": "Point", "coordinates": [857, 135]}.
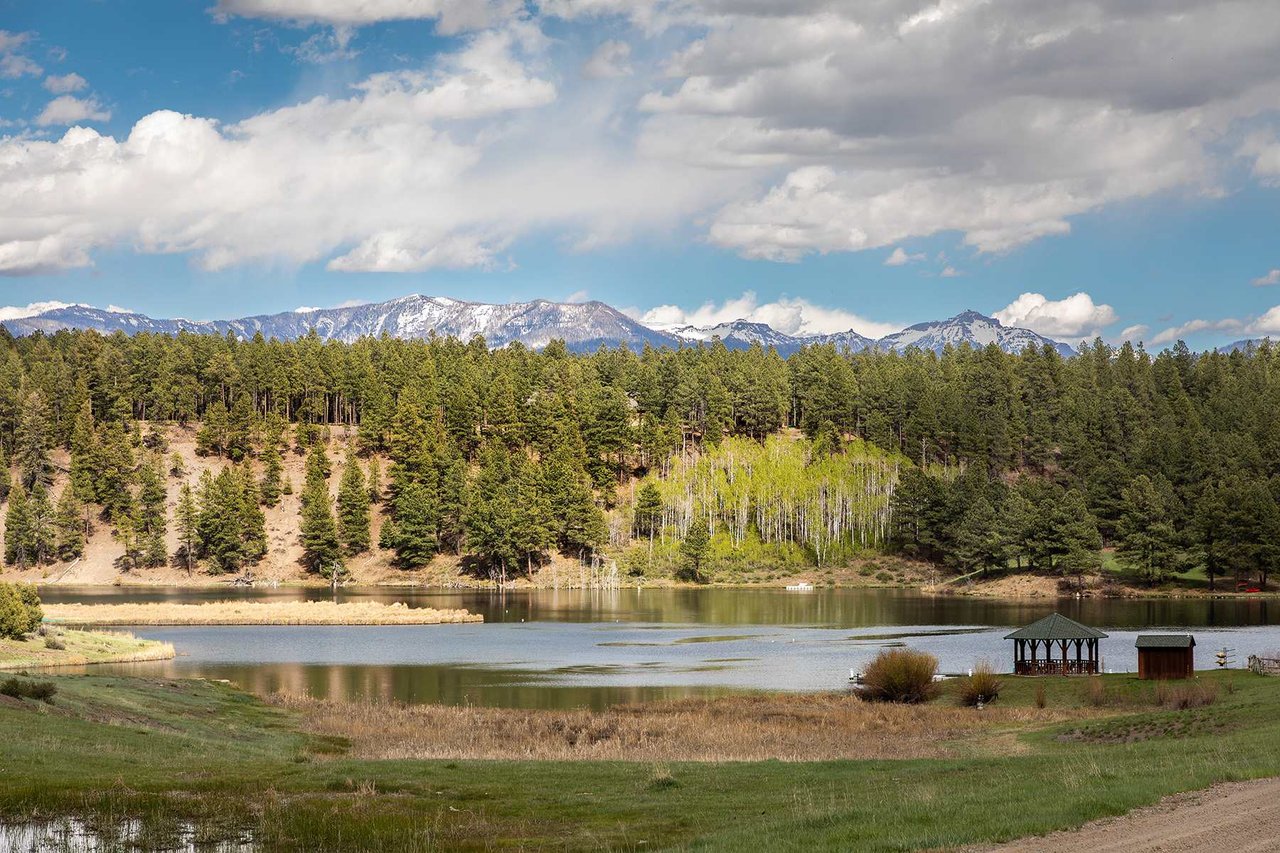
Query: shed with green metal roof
{"type": "Point", "coordinates": [1056, 645]}
{"type": "Point", "coordinates": [1166, 655]}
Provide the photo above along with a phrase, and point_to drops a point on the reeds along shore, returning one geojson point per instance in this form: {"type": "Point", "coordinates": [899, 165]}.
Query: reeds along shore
{"type": "Point", "coordinates": [254, 613]}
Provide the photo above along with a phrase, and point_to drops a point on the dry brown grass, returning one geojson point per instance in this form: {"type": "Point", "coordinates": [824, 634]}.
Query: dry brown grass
{"type": "Point", "coordinates": [254, 613]}
{"type": "Point", "coordinates": [787, 727]}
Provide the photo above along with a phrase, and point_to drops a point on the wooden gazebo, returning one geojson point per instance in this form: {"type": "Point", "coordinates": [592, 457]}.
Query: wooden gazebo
{"type": "Point", "coordinates": [1056, 645]}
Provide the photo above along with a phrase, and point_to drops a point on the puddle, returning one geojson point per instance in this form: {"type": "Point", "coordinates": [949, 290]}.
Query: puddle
{"type": "Point", "coordinates": [72, 835]}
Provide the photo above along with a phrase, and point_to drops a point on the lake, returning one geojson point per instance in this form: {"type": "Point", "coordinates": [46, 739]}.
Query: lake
{"type": "Point", "coordinates": [590, 648]}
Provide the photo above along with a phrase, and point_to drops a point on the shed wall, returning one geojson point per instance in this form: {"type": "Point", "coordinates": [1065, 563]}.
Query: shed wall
{"type": "Point", "coordinates": [1166, 663]}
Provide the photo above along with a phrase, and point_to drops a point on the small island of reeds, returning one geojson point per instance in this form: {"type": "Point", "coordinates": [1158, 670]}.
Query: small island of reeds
{"type": "Point", "coordinates": [254, 613]}
{"type": "Point", "coordinates": [58, 647]}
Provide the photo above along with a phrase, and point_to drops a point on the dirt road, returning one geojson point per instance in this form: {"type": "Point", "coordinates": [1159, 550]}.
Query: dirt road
{"type": "Point", "coordinates": [1241, 817]}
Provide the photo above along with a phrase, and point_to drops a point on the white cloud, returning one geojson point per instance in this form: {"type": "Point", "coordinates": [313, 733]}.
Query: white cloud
{"type": "Point", "coordinates": [116, 309]}
{"type": "Point", "coordinates": [950, 272]}
{"type": "Point", "coordinates": [68, 109]}
{"type": "Point", "coordinates": [578, 296]}
{"type": "Point", "coordinates": [611, 59]}
{"type": "Point", "coordinates": [18, 312]}
{"type": "Point", "coordinates": [1135, 332]}
{"type": "Point", "coordinates": [65, 84]}
{"type": "Point", "coordinates": [1191, 327]}
{"type": "Point", "coordinates": [451, 16]}
{"type": "Point", "coordinates": [1267, 280]}
{"type": "Point", "coordinates": [1075, 315]}
{"type": "Point", "coordinates": [898, 257]}
{"type": "Point", "coordinates": [13, 63]}
{"type": "Point", "coordinates": [789, 316]}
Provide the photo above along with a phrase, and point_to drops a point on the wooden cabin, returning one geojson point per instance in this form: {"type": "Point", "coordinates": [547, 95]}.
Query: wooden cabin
{"type": "Point", "coordinates": [1163, 656]}
{"type": "Point", "coordinates": [1056, 645]}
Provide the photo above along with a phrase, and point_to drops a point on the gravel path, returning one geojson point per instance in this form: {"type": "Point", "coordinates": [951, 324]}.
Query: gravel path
{"type": "Point", "coordinates": [1237, 817]}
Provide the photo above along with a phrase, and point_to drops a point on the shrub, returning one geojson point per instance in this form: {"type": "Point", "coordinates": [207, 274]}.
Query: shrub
{"type": "Point", "coordinates": [900, 675]}
{"type": "Point", "coordinates": [884, 577]}
{"type": "Point", "coordinates": [43, 691]}
{"type": "Point", "coordinates": [1095, 693]}
{"type": "Point", "coordinates": [20, 612]}
{"type": "Point", "coordinates": [1186, 696]}
{"type": "Point", "coordinates": [981, 686]}
{"type": "Point", "coordinates": [54, 642]}
{"type": "Point", "coordinates": [1041, 701]}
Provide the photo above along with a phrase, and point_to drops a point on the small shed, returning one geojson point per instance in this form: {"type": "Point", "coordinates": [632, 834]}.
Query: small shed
{"type": "Point", "coordinates": [1056, 645]}
{"type": "Point", "coordinates": [1166, 656]}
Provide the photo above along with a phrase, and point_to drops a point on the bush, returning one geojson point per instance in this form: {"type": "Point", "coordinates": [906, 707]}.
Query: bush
{"type": "Point", "coordinates": [20, 612]}
{"type": "Point", "coordinates": [55, 643]}
{"type": "Point", "coordinates": [1041, 699]}
{"type": "Point", "coordinates": [1095, 693]}
{"type": "Point", "coordinates": [982, 686]}
{"type": "Point", "coordinates": [43, 691]}
{"type": "Point", "coordinates": [1185, 696]}
{"type": "Point", "coordinates": [900, 675]}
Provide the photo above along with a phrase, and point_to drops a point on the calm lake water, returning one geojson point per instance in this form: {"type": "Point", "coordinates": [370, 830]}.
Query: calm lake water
{"type": "Point", "coordinates": [571, 648]}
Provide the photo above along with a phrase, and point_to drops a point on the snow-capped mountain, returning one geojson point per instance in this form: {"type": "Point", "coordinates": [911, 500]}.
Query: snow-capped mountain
{"type": "Point", "coordinates": [582, 326]}
{"type": "Point", "coordinates": [972, 328]}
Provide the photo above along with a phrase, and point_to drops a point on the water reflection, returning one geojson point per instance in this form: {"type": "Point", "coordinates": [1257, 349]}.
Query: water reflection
{"type": "Point", "coordinates": [826, 607]}
{"type": "Point", "coordinates": [558, 649]}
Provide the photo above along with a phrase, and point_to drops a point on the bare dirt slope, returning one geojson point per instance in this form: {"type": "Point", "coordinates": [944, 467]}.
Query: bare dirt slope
{"type": "Point", "coordinates": [1239, 816]}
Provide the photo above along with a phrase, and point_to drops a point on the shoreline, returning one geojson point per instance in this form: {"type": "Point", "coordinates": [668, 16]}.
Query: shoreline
{"type": "Point", "coordinates": [81, 648]}
{"type": "Point", "coordinates": [253, 613]}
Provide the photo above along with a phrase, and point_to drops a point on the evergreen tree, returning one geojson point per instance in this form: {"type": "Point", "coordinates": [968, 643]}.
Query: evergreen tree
{"type": "Point", "coordinates": [187, 520]}
{"type": "Point", "coordinates": [151, 520]}
{"type": "Point", "coordinates": [114, 474]}
{"type": "Point", "coordinates": [219, 522]}
{"type": "Point", "coordinates": [375, 481]}
{"type": "Point", "coordinates": [319, 533]}
{"type": "Point", "coordinates": [70, 525]}
{"type": "Point", "coordinates": [253, 523]}
{"type": "Point", "coordinates": [84, 454]}
{"type": "Point", "coordinates": [1145, 538]}
{"type": "Point", "coordinates": [978, 543]}
{"type": "Point", "coordinates": [32, 441]}
{"type": "Point", "coordinates": [647, 520]}
{"type": "Point", "coordinates": [272, 469]}
{"type": "Point", "coordinates": [18, 533]}
{"type": "Point", "coordinates": [696, 547]}
{"type": "Point", "coordinates": [353, 508]}
{"type": "Point", "coordinates": [411, 532]}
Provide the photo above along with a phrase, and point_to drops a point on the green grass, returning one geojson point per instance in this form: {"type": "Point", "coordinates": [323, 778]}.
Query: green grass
{"type": "Point", "coordinates": [79, 648]}
{"type": "Point", "coordinates": [164, 751]}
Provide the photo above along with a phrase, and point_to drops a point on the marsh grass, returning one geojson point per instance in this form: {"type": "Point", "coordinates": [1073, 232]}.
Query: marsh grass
{"type": "Point", "coordinates": [981, 687]}
{"type": "Point", "coordinates": [810, 727]}
{"type": "Point", "coordinates": [255, 613]}
{"type": "Point", "coordinates": [900, 675]}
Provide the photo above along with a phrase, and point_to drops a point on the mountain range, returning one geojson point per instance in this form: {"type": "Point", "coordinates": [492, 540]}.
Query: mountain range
{"type": "Point", "coordinates": [582, 326]}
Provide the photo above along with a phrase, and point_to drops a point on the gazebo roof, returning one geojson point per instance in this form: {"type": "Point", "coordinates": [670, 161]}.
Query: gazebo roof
{"type": "Point", "coordinates": [1055, 626]}
{"type": "Point", "coordinates": [1165, 641]}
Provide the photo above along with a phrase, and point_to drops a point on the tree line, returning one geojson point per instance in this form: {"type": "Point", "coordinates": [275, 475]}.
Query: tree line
{"type": "Point", "coordinates": [511, 454]}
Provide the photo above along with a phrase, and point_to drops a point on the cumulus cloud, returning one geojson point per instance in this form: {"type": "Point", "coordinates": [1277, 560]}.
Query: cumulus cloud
{"type": "Point", "coordinates": [1272, 277]}
{"type": "Point", "coordinates": [1134, 333]}
{"type": "Point", "coordinates": [1075, 315]}
{"type": "Point", "coordinates": [18, 312]}
{"type": "Point", "coordinates": [1191, 327]}
{"type": "Point", "coordinates": [65, 84]}
{"type": "Point", "coordinates": [611, 59]}
{"type": "Point", "coordinates": [789, 316]}
{"type": "Point", "coordinates": [68, 109]}
{"type": "Point", "coordinates": [438, 167]}
{"type": "Point", "coordinates": [898, 257]}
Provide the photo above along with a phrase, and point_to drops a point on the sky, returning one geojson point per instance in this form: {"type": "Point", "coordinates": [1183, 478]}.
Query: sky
{"type": "Point", "coordinates": [1077, 168]}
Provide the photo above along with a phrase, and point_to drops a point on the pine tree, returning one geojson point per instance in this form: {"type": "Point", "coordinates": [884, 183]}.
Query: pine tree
{"type": "Point", "coordinates": [319, 533]}
{"type": "Point", "coordinates": [411, 532]}
{"type": "Point", "coordinates": [647, 521]}
{"type": "Point", "coordinates": [70, 525]}
{"type": "Point", "coordinates": [212, 437]}
{"type": "Point", "coordinates": [253, 522]}
{"type": "Point", "coordinates": [32, 440]}
{"type": "Point", "coordinates": [219, 521]}
{"type": "Point", "coordinates": [187, 519]}
{"type": "Point", "coordinates": [978, 543]}
{"type": "Point", "coordinates": [6, 479]}
{"type": "Point", "coordinates": [114, 474]}
{"type": "Point", "coordinates": [84, 455]}
{"type": "Point", "coordinates": [272, 469]}
{"type": "Point", "coordinates": [353, 508]}
{"type": "Point", "coordinates": [375, 481]}
{"type": "Point", "coordinates": [151, 519]}
{"type": "Point", "coordinates": [18, 534]}
{"type": "Point", "coordinates": [696, 547]}
{"type": "Point", "coordinates": [1144, 536]}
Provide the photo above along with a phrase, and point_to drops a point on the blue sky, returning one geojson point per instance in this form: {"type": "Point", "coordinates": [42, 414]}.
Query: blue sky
{"type": "Point", "coordinates": [215, 158]}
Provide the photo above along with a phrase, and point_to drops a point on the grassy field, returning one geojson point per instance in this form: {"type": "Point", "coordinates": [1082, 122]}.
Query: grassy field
{"type": "Point", "coordinates": [78, 648]}
{"type": "Point", "coordinates": [254, 613]}
{"type": "Point", "coordinates": [163, 752]}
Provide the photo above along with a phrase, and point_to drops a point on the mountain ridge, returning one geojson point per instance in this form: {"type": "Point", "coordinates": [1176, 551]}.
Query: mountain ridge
{"type": "Point", "coordinates": [583, 326]}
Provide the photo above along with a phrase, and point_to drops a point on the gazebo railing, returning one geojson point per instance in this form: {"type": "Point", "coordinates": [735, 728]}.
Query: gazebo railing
{"type": "Point", "coordinates": [1055, 667]}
